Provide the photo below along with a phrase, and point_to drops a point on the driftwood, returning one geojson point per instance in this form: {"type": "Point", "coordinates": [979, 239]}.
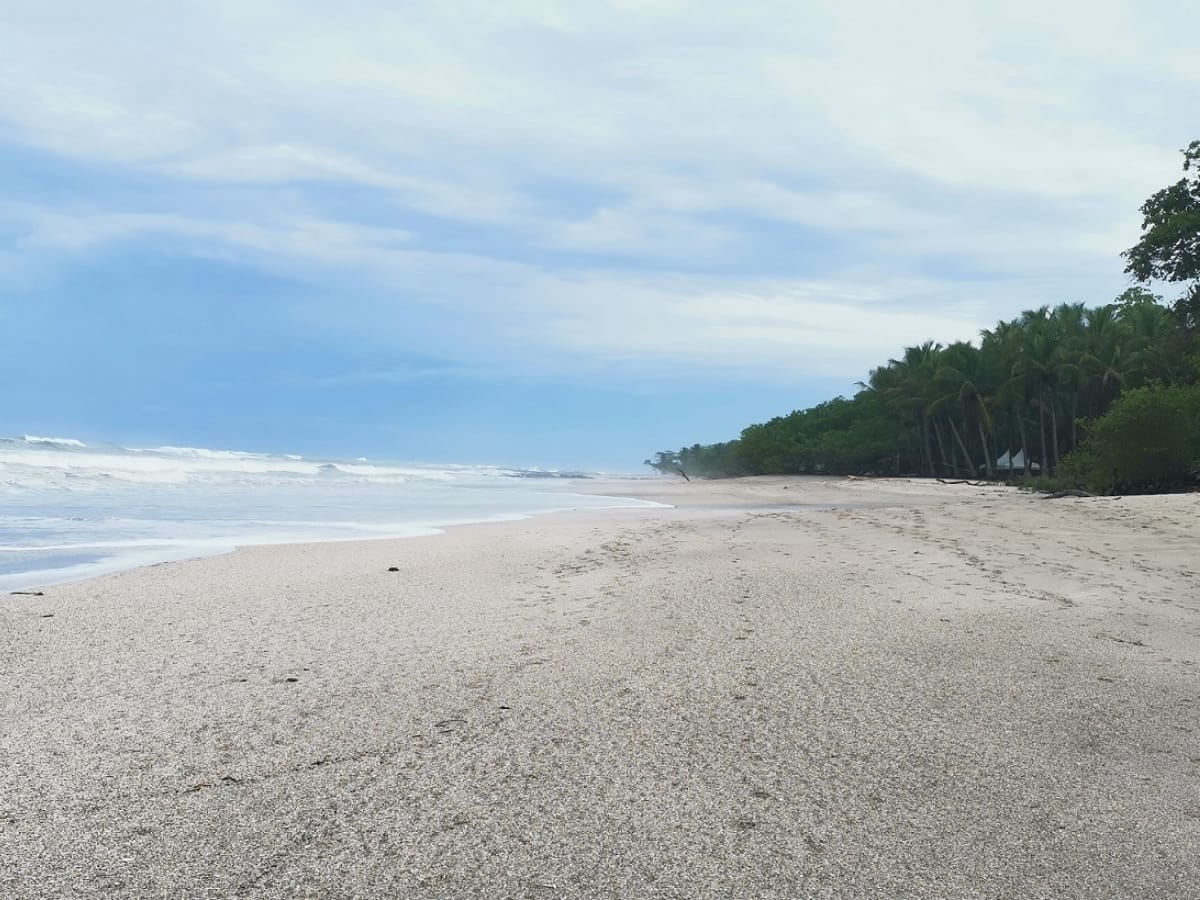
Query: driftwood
{"type": "Point", "coordinates": [971, 483]}
{"type": "Point", "coordinates": [1072, 492]}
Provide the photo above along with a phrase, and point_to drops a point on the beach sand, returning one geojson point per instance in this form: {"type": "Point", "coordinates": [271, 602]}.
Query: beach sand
{"type": "Point", "coordinates": [782, 688]}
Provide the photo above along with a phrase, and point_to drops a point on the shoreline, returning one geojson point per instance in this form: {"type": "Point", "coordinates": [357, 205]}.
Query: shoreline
{"type": "Point", "coordinates": [20, 582]}
{"type": "Point", "coordinates": [777, 688]}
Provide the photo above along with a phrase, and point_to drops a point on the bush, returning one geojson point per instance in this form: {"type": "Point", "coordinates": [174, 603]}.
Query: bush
{"type": "Point", "coordinates": [1061, 480]}
{"type": "Point", "coordinates": [1148, 441]}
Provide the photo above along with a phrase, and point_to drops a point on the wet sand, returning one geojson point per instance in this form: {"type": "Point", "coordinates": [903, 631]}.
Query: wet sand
{"type": "Point", "coordinates": [781, 688]}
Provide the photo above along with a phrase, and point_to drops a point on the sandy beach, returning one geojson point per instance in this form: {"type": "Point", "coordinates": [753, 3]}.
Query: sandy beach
{"type": "Point", "coordinates": [779, 688]}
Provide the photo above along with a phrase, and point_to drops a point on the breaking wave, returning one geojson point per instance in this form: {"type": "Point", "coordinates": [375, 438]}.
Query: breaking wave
{"type": "Point", "coordinates": [66, 464]}
{"type": "Point", "coordinates": [52, 442]}
{"type": "Point", "coordinates": [71, 510]}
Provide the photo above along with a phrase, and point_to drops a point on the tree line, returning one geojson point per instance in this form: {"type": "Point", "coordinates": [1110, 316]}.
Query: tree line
{"type": "Point", "coordinates": [1103, 396]}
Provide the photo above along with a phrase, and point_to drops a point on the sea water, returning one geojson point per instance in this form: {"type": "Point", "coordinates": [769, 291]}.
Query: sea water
{"type": "Point", "coordinates": [71, 510]}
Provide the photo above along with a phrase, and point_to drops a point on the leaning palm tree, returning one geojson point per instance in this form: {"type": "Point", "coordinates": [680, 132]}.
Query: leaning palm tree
{"type": "Point", "coordinates": [960, 376]}
{"type": "Point", "coordinates": [907, 384]}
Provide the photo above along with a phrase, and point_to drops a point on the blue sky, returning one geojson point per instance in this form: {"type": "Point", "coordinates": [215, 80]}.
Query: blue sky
{"type": "Point", "coordinates": [547, 233]}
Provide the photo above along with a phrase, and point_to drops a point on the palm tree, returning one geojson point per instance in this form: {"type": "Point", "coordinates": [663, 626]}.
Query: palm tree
{"type": "Point", "coordinates": [1001, 347]}
{"type": "Point", "coordinates": [907, 384]}
{"type": "Point", "coordinates": [1070, 323]}
{"type": "Point", "coordinates": [1104, 356]}
{"type": "Point", "coordinates": [1035, 367]}
{"type": "Point", "coordinates": [1151, 331]}
{"type": "Point", "coordinates": [961, 378]}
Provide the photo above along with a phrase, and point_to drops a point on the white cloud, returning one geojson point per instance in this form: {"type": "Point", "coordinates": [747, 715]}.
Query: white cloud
{"type": "Point", "coordinates": [968, 158]}
{"type": "Point", "coordinates": [294, 239]}
{"type": "Point", "coordinates": [638, 232]}
{"type": "Point", "coordinates": [787, 328]}
{"type": "Point", "coordinates": [282, 164]}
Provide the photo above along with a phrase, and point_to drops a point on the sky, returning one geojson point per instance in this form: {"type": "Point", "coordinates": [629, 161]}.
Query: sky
{"type": "Point", "coordinates": [548, 233]}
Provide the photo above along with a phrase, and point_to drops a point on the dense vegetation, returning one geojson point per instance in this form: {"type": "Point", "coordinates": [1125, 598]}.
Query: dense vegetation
{"type": "Point", "coordinates": [1104, 397]}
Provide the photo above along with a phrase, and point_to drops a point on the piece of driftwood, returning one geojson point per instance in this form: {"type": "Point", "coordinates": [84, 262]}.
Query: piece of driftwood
{"type": "Point", "coordinates": [1071, 492]}
{"type": "Point", "coordinates": [971, 483]}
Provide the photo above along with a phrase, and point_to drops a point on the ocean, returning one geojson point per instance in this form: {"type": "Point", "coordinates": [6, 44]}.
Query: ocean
{"type": "Point", "coordinates": [70, 510]}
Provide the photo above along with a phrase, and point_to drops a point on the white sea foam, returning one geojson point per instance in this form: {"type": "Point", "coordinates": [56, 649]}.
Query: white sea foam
{"type": "Point", "coordinates": [54, 441]}
{"type": "Point", "coordinates": [57, 463]}
{"type": "Point", "coordinates": [70, 510]}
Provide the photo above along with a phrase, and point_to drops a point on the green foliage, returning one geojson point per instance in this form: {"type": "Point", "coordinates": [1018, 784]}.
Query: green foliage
{"type": "Point", "coordinates": [1060, 481]}
{"type": "Point", "coordinates": [836, 437]}
{"type": "Point", "coordinates": [1028, 387]}
{"type": "Point", "coordinates": [1149, 440]}
{"type": "Point", "coordinates": [952, 411]}
{"type": "Point", "coordinates": [714, 460]}
{"type": "Point", "coordinates": [1169, 248]}
{"type": "Point", "coordinates": [664, 461]}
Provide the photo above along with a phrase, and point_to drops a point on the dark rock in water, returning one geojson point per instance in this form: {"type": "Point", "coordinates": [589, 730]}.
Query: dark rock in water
{"type": "Point", "coordinates": [393, 568]}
